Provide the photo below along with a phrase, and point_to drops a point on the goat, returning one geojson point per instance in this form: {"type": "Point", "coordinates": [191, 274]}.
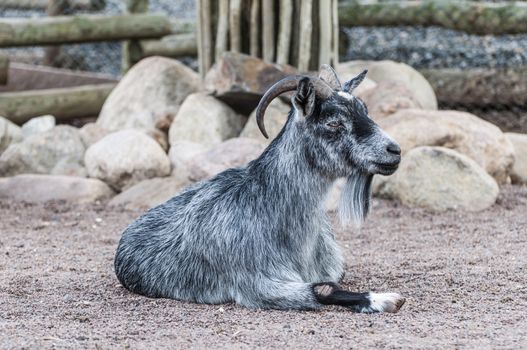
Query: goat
{"type": "Point", "coordinates": [259, 235]}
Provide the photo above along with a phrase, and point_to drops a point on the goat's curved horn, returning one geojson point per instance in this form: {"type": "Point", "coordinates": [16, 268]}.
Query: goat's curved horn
{"type": "Point", "coordinates": [322, 90]}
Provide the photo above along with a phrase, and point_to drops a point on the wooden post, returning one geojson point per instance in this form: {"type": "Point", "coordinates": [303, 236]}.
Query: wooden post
{"type": "Point", "coordinates": [131, 49]}
{"type": "Point", "coordinates": [55, 8]}
{"type": "Point", "coordinates": [4, 68]}
{"type": "Point", "coordinates": [303, 33]}
{"type": "Point", "coordinates": [204, 35]}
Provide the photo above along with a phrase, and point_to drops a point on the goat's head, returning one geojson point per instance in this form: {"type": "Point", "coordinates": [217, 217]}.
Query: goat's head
{"type": "Point", "coordinates": [338, 136]}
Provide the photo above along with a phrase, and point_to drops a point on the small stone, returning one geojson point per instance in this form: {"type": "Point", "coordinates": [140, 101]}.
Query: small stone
{"type": "Point", "coordinates": [38, 125]}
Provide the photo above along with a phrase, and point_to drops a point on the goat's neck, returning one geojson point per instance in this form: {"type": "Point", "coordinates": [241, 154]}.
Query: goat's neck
{"type": "Point", "coordinates": [288, 177]}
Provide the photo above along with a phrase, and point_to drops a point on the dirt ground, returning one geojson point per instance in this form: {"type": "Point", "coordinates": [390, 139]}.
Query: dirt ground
{"type": "Point", "coordinates": [464, 276]}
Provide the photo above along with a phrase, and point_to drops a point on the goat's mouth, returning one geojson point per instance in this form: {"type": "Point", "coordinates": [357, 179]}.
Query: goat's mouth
{"type": "Point", "coordinates": [384, 168]}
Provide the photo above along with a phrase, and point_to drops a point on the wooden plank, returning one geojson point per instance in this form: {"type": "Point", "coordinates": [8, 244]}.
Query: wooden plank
{"type": "Point", "coordinates": [81, 28]}
{"type": "Point", "coordinates": [63, 103]}
{"type": "Point", "coordinates": [268, 45]}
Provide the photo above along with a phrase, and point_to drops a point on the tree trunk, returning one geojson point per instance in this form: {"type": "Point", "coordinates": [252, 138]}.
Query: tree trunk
{"type": "Point", "coordinates": [470, 17]}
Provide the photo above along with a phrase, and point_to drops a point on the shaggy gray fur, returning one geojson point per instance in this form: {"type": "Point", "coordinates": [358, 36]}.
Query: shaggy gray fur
{"type": "Point", "coordinates": [259, 235]}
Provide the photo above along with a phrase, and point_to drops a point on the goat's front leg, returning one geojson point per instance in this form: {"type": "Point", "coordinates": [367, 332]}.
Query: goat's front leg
{"type": "Point", "coordinates": [329, 293]}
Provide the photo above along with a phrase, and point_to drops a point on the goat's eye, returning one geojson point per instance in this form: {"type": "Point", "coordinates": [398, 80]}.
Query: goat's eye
{"type": "Point", "coordinates": [334, 124]}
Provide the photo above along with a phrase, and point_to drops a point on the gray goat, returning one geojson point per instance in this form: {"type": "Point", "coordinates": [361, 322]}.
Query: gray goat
{"type": "Point", "coordinates": [259, 235]}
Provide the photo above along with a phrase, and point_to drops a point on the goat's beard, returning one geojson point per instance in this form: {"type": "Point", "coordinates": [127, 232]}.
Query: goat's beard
{"type": "Point", "coordinates": [355, 199]}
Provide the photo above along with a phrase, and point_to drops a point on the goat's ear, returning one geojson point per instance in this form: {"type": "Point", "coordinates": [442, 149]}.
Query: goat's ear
{"type": "Point", "coordinates": [349, 86]}
{"type": "Point", "coordinates": [329, 75]}
{"type": "Point", "coordinates": [304, 98]}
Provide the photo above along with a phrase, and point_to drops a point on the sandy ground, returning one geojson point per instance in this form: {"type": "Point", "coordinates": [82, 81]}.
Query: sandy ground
{"type": "Point", "coordinates": [464, 276]}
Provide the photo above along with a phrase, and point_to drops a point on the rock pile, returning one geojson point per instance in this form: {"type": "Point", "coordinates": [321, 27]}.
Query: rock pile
{"type": "Point", "coordinates": [161, 130]}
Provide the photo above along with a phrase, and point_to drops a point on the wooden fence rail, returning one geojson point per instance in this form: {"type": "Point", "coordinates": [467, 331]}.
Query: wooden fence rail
{"type": "Point", "coordinates": [90, 5]}
{"type": "Point", "coordinates": [81, 28]}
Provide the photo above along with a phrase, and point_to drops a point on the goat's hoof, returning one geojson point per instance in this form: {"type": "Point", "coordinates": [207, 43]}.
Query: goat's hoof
{"type": "Point", "coordinates": [386, 302]}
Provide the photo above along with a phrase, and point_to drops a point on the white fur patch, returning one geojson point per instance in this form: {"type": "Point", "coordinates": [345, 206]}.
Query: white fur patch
{"type": "Point", "coordinates": [345, 95]}
{"type": "Point", "coordinates": [385, 302]}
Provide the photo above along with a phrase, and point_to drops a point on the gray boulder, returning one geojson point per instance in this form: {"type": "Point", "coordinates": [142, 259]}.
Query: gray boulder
{"type": "Point", "coordinates": [464, 132]}
{"type": "Point", "coordinates": [34, 188]}
{"type": "Point", "coordinates": [206, 120]}
{"type": "Point", "coordinates": [519, 170]}
{"type": "Point", "coordinates": [149, 95]}
{"type": "Point", "coordinates": [439, 178]}
{"type": "Point", "coordinates": [275, 118]}
{"type": "Point", "coordinates": [9, 133]}
{"type": "Point", "coordinates": [182, 152]}
{"type": "Point", "coordinates": [380, 71]}
{"type": "Point", "coordinates": [45, 153]}
{"type": "Point", "coordinates": [150, 193]}
{"type": "Point", "coordinates": [232, 153]}
{"type": "Point", "coordinates": [38, 125]}
{"type": "Point", "coordinates": [126, 157]}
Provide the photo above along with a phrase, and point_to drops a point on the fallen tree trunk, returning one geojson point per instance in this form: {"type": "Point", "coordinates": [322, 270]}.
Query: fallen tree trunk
{"type": "Point", "coordinates": [64, 103]}
{"type": "Point", "coordinates": [482, 87]}
{"type": "Point", "coordinates": [468, 16]}
{"type": "Point", "coordinates": [4, 69]}
{"type": "Point", "coordinates": [176, 45]}
{"type": "Point", "coordinates": [82, 28]}
{"type": "Point", "coordinates": [90, 5]}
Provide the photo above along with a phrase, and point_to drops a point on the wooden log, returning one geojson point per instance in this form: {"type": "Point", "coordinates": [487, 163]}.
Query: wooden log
{"type": "Point", "coordinates": [182, 25]}
{"type": "Point", "coordinates": [306, 28]}
{"type": "Point", "coordinates": [482, 87]}
{"type": "Point", "coordinates": [4, 68]}
{"type": "Point", "coordinates": [131, 49]}
{"type": "Point", "coordinates": [268, 46]}
{"type": "Point", "coordinates": [63, 103]}
{"type": "Point", "coordinates": [285, 29]}
{"type": "Point", "coordinates": [84, 5]}
{"type": "Point", "coordinates": [222, 30]}
{"type": "Point", "coordinates": [176, 45]}
{"type": "Point", "coordinates": [468, 16]}
{"type": "Point", "coordinates": [81, 28]}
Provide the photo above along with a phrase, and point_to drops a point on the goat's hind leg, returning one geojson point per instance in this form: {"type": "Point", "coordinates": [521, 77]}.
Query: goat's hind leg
{"type": "Point", "coordinates": [329, 293]}
{"type": "Point", "coordinates": [266, 293]}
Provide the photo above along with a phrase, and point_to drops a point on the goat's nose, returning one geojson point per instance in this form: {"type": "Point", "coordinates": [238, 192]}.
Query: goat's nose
{"type": "Point", "coordinates": [394, 148]}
